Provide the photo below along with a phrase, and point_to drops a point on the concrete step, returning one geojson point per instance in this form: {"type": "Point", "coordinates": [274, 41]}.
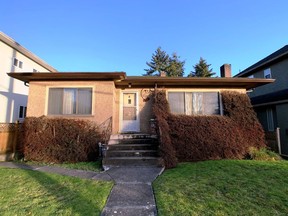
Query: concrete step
{"type": "Point", "coordinates": [132, 153]}
{"type": "Point", "coordinates": [133, 136]}
{"type": "Point", "coordinates": [132, 147]}
{"type": "Point", "coordinates": [131, 161]}
{"type": "Point", "coordinates": [132, 141]}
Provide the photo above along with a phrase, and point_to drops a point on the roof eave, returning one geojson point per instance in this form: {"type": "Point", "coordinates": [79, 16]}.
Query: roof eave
{"type": "Point", "coordinates": [68, 76]}
{"type": "Point", "coordinates": [12, 43]}
{"type": "Point", "coordinates": [142, 82]}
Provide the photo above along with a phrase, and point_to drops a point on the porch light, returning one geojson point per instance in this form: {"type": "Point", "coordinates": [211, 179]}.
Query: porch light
{"type": "Point", "coordinates": [129, 85]}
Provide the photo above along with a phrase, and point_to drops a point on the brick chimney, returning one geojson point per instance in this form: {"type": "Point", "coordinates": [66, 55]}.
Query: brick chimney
{"type": "Point", "coordinates": [162, 74]}
{"type": "Point", "coordinates": [225, 70]}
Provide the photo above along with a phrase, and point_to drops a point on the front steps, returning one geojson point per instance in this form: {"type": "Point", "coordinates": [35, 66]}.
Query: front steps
{"type": "Point", "coordinates": [132, 150]}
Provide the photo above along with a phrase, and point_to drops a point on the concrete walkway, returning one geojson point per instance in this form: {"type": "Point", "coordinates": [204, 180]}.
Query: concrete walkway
{"type": "Point", "coordinates": [132, 193]}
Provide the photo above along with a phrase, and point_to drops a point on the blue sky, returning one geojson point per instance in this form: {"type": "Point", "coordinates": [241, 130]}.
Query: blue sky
{"type": "Point", "coordinates": [121, 35]}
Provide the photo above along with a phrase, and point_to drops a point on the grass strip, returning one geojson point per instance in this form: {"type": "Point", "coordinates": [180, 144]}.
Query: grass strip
{"type": "Point", "coordinates": [26, 192]}
{"type": "Point", "coordinates": [224, 187]}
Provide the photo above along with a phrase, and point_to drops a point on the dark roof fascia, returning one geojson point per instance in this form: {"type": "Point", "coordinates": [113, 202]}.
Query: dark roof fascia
{"type": "Point", "coordinates": [68, 76]}
{"type": "Point", "coordinates": [272, 97]}
{"type": "Point", "coordinates": [10, 42]}
{"type": "Point", "coordinates": [190, 82]}
{"type": "Point", "coordinates": [121, 81]}
{"type": "Point", "coordinates": [265, 62]}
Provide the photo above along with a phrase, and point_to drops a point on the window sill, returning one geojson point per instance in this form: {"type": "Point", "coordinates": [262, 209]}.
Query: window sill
{"type": "Point", "coordinates": [85, 116]}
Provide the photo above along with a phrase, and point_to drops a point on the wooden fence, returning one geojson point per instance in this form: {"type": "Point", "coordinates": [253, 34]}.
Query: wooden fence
{"type": "Point", "coordinates": [8, 140]}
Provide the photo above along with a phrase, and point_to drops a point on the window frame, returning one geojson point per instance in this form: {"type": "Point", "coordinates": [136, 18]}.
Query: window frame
{"type": "Point", "coordinates": [69, 87]}
{"type": "Point", "coordinates": [22, 112]}
{"type": "Point", "coordinates": [15, 62]}
{"type": "Point", "coordinates": [198, 91]}
{"type": "Point", "coordinates": [270, 119]}
{"type": "Point", "coordinates": [20, 65]}
{"type": "Point", "coordinates": [267, 73]}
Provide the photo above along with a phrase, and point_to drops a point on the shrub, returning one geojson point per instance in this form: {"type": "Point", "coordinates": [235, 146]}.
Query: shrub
{"type": "Point", "coordinates": [161, 111]}
{"type": "Point", "coordinates": [262, 154]}
{"type": "Point", "coordinates": [194, 138]}
{"type": "Point", "coordinates": [60, 140]}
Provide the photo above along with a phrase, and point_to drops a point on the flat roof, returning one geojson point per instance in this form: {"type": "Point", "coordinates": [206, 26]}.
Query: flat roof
{"type": "Point", "coordinates": [123, 81]}
{"type": "Point", "coordinates": [144, 81]}
{"type": "Point", "coordinates": [12, 43]}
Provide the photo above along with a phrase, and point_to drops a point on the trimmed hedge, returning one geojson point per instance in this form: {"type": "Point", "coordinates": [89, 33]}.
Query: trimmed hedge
{"type": "Point", "coordinates": [59, 140]}
{"type": "Point", "coordinates": [195, 138]}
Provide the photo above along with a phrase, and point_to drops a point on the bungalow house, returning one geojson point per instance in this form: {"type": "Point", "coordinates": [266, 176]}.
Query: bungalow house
{"type": "Point", "coordinates": [271, 101]}
{"type": "Point", "coordinates": [124, 101]}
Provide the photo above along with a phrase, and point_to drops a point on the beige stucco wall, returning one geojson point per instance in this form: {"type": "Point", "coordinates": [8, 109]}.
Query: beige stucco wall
{"type": "Point", "coordinates": [102, 102]}
{"type": "Point", "coordinates": [106, 101]}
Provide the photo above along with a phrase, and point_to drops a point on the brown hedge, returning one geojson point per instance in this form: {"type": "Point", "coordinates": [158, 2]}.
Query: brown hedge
{"type": "Point", "coordinates": [161, 111]}
{"type": "Point", "coordinates": [60, 140]}
{"type": "Point", "coordinates": [194, 138]}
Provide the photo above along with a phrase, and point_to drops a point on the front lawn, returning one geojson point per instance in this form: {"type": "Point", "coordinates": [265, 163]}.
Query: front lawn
{"type": "Point", "coordinates": [94, 166]}
{"type": "Point", "coordinates": [224, 187]}
{"type": "Point", "coordinates": [26, 192]}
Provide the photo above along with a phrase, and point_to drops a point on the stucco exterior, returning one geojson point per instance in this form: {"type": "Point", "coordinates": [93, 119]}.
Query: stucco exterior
{"type": "Point", "coordinates": [107, 101]}
{"type": "Point", "coordinates": [13, 93]}
{"type": "Point", "coordinates": [102, 99]}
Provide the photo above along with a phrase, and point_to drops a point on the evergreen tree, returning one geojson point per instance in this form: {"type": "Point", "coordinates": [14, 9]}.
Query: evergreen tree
{"type": "Point", "coordinates": [176, 67]}
{"type": "Point", "coordinates": [159, 62]}
{"type": "Point", "coordinates": [202, 69]}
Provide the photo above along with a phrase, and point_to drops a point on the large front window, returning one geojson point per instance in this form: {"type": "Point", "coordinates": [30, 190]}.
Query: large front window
{"type": "Point", "coordinates": [194, 103]}
{"type": "Point", "coordinates": [70, 101]}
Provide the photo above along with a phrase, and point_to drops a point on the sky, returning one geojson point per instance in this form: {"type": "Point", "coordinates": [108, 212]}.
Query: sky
{"type": "Point", "coordinates": [122, 35]}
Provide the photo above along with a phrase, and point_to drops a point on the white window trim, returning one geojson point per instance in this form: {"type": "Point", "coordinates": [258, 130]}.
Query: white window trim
{"type": "Point", "coordinates": [267, 72]}
{"type": "Point", "coordinates": [13, 61]}
{"type": "Point", "coordinates": [121, 108]}
{"type": "Point", "coordinates": [221, 113]}
{"type": "Point", "coordinates": [70, 86]}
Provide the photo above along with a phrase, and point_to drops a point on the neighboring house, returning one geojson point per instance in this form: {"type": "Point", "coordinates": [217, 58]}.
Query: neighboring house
{"type": "Point", "coordinates": [271, 101]}
{"type": "Point", "coordinates": [125, 100]}
{"type": "Point", "coordinates": [13, 93]}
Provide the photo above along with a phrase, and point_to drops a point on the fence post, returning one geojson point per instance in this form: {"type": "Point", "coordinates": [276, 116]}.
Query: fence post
{"type": "Point", "coordinates": [15, 140]}
{"type": "Point", "coordinates": [278, 139]}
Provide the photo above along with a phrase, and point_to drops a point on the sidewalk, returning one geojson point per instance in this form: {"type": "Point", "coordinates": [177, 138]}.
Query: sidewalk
{"type": "Point", "coordinates": [132, 193]}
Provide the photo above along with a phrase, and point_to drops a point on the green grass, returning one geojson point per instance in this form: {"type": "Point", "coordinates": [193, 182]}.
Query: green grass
{"type": "Point", "coordinates": [224, 187]}
{"type": "Point", "coordinates": [88, 166]}
{"type": "Point", "coordinates": [26, 192]}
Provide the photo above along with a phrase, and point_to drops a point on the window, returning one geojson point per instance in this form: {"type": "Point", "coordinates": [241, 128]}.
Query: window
{"type": "Point", "coordinates": [70, 101]}
{"type": "Point", "coordinates": [194, 103]}
{"type": "Point", "coordinates": [20, 64]}
{"type": "Point", "coordinates": [267, 73]}
{"type": "Point", "coordinates": [270, 121]}
{"type": "Point", "coordinates": [15, 62]}
{"type": "Point", "coordinates": [22, 112]}
{"type": "Point", "coordinates": [251, 76]}
{"type": "Point", "coordinates": [35, 71]}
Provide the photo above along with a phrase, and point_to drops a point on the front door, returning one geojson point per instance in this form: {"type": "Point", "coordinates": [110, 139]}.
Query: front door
{"type": "Point", "coordinates": [130, 118]}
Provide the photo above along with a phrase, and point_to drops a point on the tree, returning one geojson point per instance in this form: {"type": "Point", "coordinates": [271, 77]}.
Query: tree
{"type": "Point", "coordinates": [159, 62]}
{"type": "Point", "coordinates": [176, 67]}
{"type": "Point", "coordinates": [202, 69]}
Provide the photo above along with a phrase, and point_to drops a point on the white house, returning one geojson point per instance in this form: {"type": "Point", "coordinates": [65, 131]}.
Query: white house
{"type": "Point", "coordinates": [13, 93]}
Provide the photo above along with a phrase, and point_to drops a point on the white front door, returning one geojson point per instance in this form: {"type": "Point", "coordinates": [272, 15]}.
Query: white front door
{"type": "Point", "coordinates": [129, 112]}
